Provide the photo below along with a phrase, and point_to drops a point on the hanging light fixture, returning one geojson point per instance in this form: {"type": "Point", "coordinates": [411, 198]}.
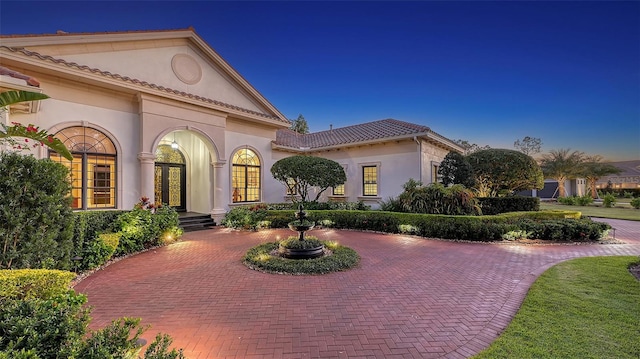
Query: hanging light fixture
{"type": "Point", "coordinates": [174, 144]}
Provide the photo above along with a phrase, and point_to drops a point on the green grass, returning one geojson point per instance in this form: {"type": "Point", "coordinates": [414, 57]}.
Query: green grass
{"type": "Point", "coordinates": [598, 210]}
{"type": "Point", "coordinates": [583, 308]}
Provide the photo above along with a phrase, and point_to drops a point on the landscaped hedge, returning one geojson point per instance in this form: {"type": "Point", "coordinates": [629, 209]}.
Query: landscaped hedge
{"type": "Point", "coordinates": [497, 205]}
{"type": "Point", "coordinates": [34, 283]}
{"type": "Point", "coordinates": [473, 228]}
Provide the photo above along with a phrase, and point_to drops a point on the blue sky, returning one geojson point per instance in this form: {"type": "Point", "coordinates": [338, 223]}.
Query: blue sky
{"type": "Point", "coordinates": [486, 72]}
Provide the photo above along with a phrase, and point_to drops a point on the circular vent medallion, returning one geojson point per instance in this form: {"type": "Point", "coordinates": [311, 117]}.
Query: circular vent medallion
{"type": "Point", "coordinates": [186, 69]}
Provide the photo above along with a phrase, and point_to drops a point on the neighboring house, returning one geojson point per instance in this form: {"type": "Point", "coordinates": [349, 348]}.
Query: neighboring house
{"type": "Point", "coordinates": [628, 178]}
{"type": "Point", "coordinates": [161, 114]}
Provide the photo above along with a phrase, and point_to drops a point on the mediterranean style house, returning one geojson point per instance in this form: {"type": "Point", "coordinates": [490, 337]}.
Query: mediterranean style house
{"type": "Point", "coordinates": [160, 114]}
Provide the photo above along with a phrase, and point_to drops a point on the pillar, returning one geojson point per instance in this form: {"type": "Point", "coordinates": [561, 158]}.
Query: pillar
{"type": "Point", "coordinates": [147, 174]}
{"type": "Point", "coordinates": [219, 207]}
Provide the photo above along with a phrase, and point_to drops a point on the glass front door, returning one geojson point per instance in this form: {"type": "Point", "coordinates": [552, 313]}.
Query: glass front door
{"type": "Point", "coordinates": [170, 185]}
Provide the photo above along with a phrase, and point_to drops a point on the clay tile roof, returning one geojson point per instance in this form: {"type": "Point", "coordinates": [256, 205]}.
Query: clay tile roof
{"type": "Point", "coordinates": [366, 132]}
{"type": "Point", "coordinates": [140, 82]}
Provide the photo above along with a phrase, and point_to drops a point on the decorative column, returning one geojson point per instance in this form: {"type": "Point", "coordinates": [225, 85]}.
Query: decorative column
{"type": "Point", "coordinates": [219, 210]}
{"type": "Point", "coordinates": [147, 176]}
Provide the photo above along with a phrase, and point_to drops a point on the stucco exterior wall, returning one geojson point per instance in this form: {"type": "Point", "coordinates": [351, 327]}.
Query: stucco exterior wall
{"type": "Point", "coordinates": [431, 156]}
{"type": "Point", "coordinates": [157, 66]}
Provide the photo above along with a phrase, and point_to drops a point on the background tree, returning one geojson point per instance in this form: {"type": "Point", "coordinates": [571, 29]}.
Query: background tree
{"type": "Point", "coordinates": [470, 148]}
{"type": "Point", "coordinates": [562, 165]}
{"type": "Point", "coordinates": [300, 125]}
{"type": "Point", "coordinates": [529, 145]}
{"type": "Point", "coordinates": [497, 171]}
{"type": "Point", "coordinates": [301, 173]}
{"type": "Point", "coordinates": [593, 169]}
{"type": "Point", "coordinates": [455, 169]}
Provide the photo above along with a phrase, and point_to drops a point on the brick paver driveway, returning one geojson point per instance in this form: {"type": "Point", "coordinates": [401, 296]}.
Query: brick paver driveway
{"type": "Point", "coordinates": [410, 297]}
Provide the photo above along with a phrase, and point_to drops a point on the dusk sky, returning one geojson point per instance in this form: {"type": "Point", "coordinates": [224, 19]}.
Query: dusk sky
{"type": "Point", "coordinates": [486, 72]}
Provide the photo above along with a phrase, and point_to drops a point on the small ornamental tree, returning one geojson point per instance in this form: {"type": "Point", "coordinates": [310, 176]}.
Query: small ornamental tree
{"type": "Point", "coordinates": [455, 169]}
{"type": "Point", "coordinates": [497, 171]}
{"type": "Point", "coordinates": [301, 173]}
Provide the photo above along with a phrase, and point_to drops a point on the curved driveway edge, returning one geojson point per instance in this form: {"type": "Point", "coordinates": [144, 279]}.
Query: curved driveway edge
{"type": "Point", "coordinates": [410, 297]}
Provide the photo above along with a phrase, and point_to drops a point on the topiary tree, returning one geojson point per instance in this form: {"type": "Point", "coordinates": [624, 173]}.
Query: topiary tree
{"type": "Point", "coordinates": [497, 171]}
{"type": "Point", "coordinates": [455, 169]}
{"type": "Point", "coordinates": [300, 173]}
{"type": "Point", "coordinates": [35, 216]}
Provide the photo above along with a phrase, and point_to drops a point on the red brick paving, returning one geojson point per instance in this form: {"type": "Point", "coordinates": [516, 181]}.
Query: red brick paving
{"type": "Point", "coordinates": [409, 298]}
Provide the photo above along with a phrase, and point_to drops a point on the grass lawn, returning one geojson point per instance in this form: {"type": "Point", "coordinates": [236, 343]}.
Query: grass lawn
{"type": "Point", "coordinates": [582, 308]}
{"type": "Point", "coordinates": [619, 212]}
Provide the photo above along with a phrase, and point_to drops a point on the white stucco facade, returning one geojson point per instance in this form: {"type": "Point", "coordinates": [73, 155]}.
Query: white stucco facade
{"type": "Point", "coordinates": [144, 91]}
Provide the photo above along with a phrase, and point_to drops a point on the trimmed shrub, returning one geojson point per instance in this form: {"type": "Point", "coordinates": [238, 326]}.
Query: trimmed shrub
{"type": "Point", "coordinates": [100, 250]}
{"type": "Point", "coordinates": [330, 205]}
{"type": "Point", "coordinates": [40, 317]}
{"type": "Point", "coordinates": [34, 283]}
{"type": "Point", "coordinates": [497, 205]}
{"type": "Point", "coordinates": [472, 228]}
{"type": "Point", "coordinates": [145, 226]}
{"type": "Point", "coordinates": [52, 328]}
{"type": "Point", "coordinates": [245, 217]}
{"type": "Point", "coordinates": [609, 200]}
{"type": "Point", "coordinates": [35, 217]}
{"type": "Point", "coordinates": [635, 203]}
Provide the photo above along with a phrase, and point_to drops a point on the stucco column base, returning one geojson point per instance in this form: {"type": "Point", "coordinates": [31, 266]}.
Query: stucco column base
{"type": "Point", "coordinates": [147, 178]}
{"type": "Point", "coordinates": [217, 215]}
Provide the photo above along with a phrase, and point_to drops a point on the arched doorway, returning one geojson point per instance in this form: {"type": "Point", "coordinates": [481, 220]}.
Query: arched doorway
{"type": "Point", "coordinates": [171, 178]}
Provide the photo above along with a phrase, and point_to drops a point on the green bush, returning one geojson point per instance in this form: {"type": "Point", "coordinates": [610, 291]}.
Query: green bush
{"type": "Point", "coordinates": [87, 226]}
{"type": "Point", "coordinates": [245, 217]}
{"type": "Point", "coordinates": [437, 199]}
{"type": "Point", "coordinates": [146, 226]}
{"type": "Point", "coordinates": [99, 251]}
{"type": "Point", "coordinates": [497, 205]}
{"type": "Point", "coordinates": [52, 321]}
{"type": "Point", "coordinates": [569, 200]}
{"type": "Point", "coordinates": [564, 229]}
{"type": "Point", "coordinates": [584, 200]}
{"type": "Point", "coordinates": [635, 203]}
{"type": "Point", "coordinates": [576, 200]}
{"type": "Point", "coordinates": [35, 217]}
{"type": "Point", "coordinates": [473, 228]}
{"type": "Point", "coordinates": [34, 283]}
{"type": "Point", "coordinates": [260, 258]}
{"type": "Point", "coordinates": [52, 328]}
{"type": "Point", "coordinates": [330, 205]}
{"type": "Point", "coordinates": [609, 200]}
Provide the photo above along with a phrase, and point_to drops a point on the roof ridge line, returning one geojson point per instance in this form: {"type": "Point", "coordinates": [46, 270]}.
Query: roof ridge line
{"type": "Point", "coordinates": [136, 81]}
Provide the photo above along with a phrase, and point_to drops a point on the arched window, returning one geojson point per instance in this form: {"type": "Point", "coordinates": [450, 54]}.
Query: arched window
{"type": "Point", "coordinates": [246, 176]}
{"type": "Point", "coordinates": [93, 168]}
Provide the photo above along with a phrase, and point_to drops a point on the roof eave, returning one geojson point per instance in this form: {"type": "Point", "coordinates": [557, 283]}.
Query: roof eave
{"type": "Point", "coordinates": [91, 78]}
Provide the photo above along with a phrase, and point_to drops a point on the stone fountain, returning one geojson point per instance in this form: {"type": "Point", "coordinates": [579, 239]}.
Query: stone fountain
{"type": "Point", "coordinates": [305, 249]}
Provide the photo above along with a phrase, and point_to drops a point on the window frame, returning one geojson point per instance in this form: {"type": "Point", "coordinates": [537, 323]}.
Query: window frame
{"type": "Point", "coordinates": [249, 176]}
{"type": "Point", "coordinates": [364, 168]}
{"type": "Point", "coordinates": [87, 157]}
